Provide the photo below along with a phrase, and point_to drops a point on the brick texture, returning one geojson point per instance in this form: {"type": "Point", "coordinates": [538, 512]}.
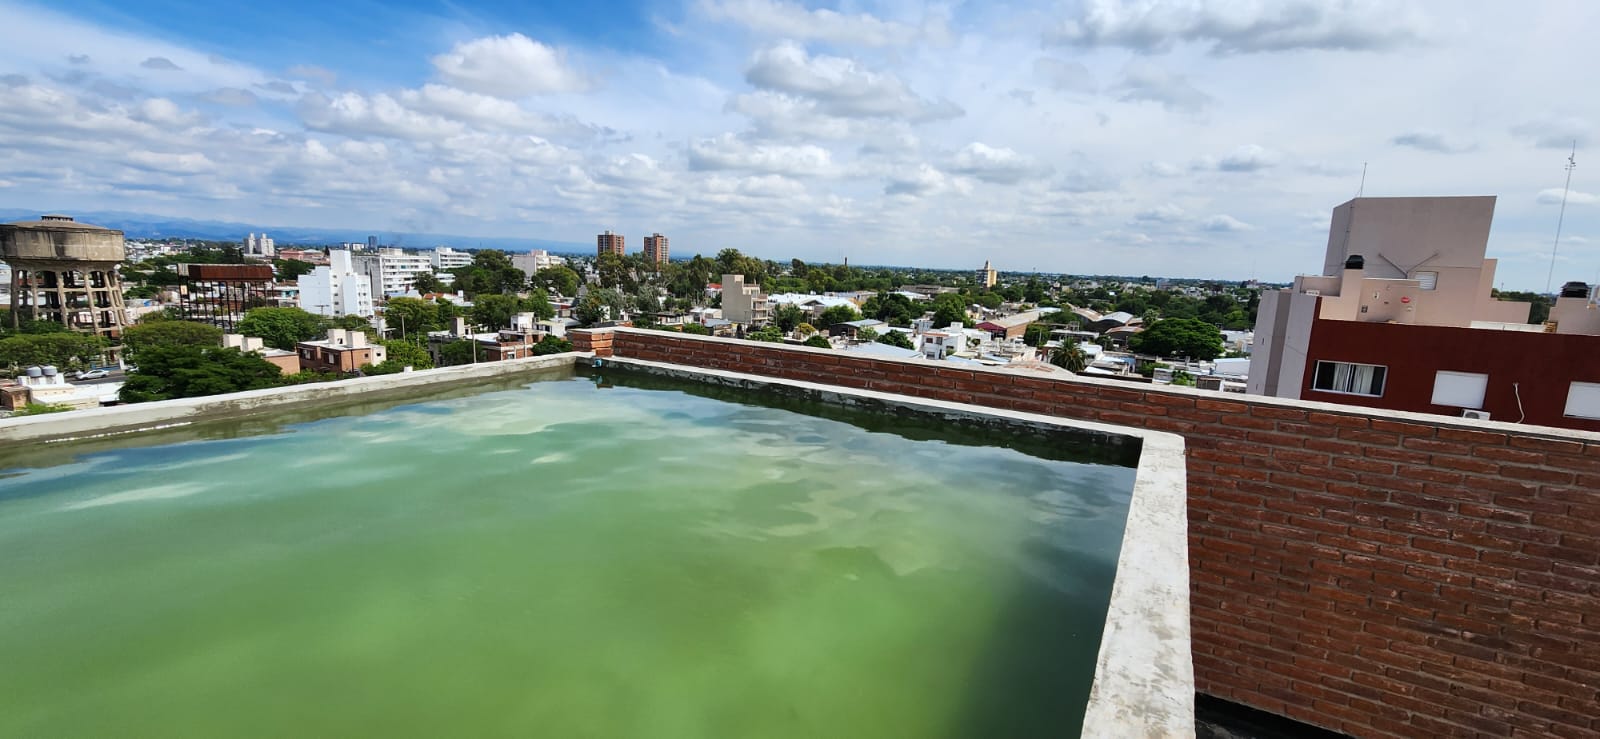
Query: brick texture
{"type": "Point", "coordinates": [1366, 574]}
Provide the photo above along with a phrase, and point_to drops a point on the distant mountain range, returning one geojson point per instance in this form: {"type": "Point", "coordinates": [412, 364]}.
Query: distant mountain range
{"type": "Point", "coordinates": [146, 226]}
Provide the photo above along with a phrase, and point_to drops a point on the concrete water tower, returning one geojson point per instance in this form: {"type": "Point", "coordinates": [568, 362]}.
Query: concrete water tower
{"type": "Point", "coordinates": [65, 272]}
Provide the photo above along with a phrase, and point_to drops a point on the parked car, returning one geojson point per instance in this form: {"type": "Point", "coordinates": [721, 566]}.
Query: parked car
{"type": "Point", "coordinates": [93, 374]}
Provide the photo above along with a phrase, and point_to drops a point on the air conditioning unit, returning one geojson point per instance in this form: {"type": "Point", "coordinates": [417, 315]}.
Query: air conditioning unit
{"type": "Point", "coordinates": [1476, 415]}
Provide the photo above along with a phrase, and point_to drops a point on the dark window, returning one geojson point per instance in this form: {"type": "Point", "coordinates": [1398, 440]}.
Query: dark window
{"type": "Point", "coordinates": [1349, 378]}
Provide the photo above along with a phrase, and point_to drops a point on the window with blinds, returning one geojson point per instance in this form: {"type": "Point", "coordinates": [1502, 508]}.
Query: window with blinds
{"type": "Point", "coordinates": [1349, 378]}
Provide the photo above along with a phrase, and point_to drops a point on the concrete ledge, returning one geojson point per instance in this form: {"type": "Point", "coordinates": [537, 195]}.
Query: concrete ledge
{"type": "Point", "coordinates": [138, 417]}
{"type": "Point", "coordinates": [1144, 676]}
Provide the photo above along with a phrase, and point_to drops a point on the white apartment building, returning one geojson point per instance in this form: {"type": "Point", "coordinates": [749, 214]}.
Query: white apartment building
{"type": "Point", "coordinates": [338, 289]}
{"type": "Point", "coordinates": [259, 246]}
{"type": "Point", "coordinates": [392, 271]}
{"type": "Point", "coordinates": [533, 261]}
{"type": "Point", "coordinates": [444, 258]}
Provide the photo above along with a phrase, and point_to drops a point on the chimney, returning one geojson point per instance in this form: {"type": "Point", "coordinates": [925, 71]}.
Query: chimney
{"type": "Point", "coordinates": [460, 327]}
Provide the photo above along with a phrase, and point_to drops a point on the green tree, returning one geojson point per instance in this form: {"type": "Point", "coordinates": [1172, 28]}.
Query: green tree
{"type": "Point", "coordinates": [838, 314]}
{"type": "Point", "coordinates": [497, 311]}
{"type": "Point", "coordinates": [949, 308]}
{"type": "Point", "coordinates": [819, 341]}
{"type": "Point", "coordinates": [787, 316]}
{"type": "Point", "coordinates": [281, 328]}
{"type": "Point", "coordinates": [412, 316]}
{"type": "Point", "coordinates": [805, 329]}
{"type": "Point", "coordinates": [696, 329]}
{"type": "Point", "coordinates": [551, 345]}
{"type": "Point", "coordinates": [769, 334]}
{"type": "Point", "coordinates": [1179, 337]}
{"type": "Point", "coordinates": [426, 282]}
{"type": "Point", "coordinates": [169, 333]}
{"type": "Point", "coordinates": [891, 308]}
{"type": "Point", "coordinates": [557, 280]}
{"type": "Point", "coordinates": [599, 305]}
{"type": "Point", "coordinates": [1070, 358]}
{"type": "Point", "coordinates": [292, 269]}
{"type": "Point", "coordinates": [867, 334]}
{"type": "Point", "coordinates": [463, 351]}
{"type": "Point", "coordinates": [400, 354]}
{"type": "Point", "coordinates": [490, 272]}
{"type": "Point", "coordinates": [188, 371]}
{"type": "Point", "coordinates": [614, 273]}
{"type": "Point", "coordinates": [67, 351]}
{"type": "Point", "coordinates": [896, 338]}
{"type": "Point", "coordinates": [352, 323]}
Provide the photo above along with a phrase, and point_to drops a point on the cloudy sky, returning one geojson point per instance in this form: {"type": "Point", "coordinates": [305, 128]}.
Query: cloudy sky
{"type": "Point", "coordinates": [1174, 137]}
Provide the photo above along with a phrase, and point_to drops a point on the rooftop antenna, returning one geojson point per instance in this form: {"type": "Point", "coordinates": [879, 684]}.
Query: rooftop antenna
{"type": "Point", "coordinates": [1572, 163]}
{"type": "Point", "coordinates": [1363, 187]}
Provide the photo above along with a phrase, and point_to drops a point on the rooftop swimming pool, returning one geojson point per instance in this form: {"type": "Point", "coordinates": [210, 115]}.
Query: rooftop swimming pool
{"type": "Point", "coordinates": [569, 557]}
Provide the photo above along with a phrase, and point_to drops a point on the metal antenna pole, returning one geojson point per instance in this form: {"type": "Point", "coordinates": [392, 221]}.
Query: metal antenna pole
{"type": "Point", "coordinates": [1572, 163]}
{"type": "Point", "coordinates": [1363, 187]}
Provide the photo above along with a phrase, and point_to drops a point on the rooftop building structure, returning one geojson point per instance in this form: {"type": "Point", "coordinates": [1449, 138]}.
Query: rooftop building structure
{"type": "Point", "coordinates": [65, 272]}
{"type": "Point", "coordinates": [987, 277]}
{"type": "Point", "coordinates": [340, 353]}
{"type": "Point", "coordinates": [1403, 318]}
{"type": "Point", "coordinates": [391, 270]}
{"type": "Point", "coordinates": [531, 262]}
{"type": "Point", "coordinates": [219, 294]}
{"type": "Point", "coordinates": [260, 247]}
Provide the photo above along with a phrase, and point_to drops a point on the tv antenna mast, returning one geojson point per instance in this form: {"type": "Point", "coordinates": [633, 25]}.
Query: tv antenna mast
{"type": "Point", "coordinates": [1572, 163]}
{"type": "Point", "coordinates": [1363, 187]}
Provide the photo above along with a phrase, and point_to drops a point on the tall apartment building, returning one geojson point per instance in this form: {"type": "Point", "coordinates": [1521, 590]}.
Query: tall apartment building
{"type": "Point", "coordinates": [609, 242]}
{"type": "Point", "coordinates": [337, 289]}
{"type": "Point", "coordinates": [260, 247]}
{"type": "Point", "coordinates": [655, 249]}
{"type": "Point", "coordinates": [744, 304]}
{"type": "Point", "coordinates": [987, 276]}
{"type": "Point", "coordinates": [444, 258]}
{"type": "Point", "coordinates": [392, 271]}
{"type": "Point", "coordinates": [1402, 318]}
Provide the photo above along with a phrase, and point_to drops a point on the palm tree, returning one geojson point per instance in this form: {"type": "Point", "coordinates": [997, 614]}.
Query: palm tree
{"type": "Point", "coordinates": [1070, 358]}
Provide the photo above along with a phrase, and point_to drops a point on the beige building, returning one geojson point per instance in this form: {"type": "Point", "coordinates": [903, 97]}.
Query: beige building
{"type": "Point", "coordinates": [1409, 261]}
{"type": "Point", "coordinates": [744, 304]}
{"type": "Point", "coordinates": [987, 276]}
{"type": "Point", "coordinates": [287, 362]}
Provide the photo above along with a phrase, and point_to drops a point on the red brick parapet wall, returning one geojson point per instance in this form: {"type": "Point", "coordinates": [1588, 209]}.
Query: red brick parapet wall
{"type": "Point", "coordinates": [1372, 572]}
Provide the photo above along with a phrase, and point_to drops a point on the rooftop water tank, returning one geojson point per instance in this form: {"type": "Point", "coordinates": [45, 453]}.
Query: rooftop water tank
{"type": "Point", "coordinates": [49, 370]}
{"type": "Point", "coordinates": [1575, 289]}
{"type": "Point", "coordinates": [35, 372]}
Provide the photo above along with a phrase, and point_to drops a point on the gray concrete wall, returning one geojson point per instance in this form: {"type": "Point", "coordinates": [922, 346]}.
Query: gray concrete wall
{"type": "Point", "coordinates": [167, 413]}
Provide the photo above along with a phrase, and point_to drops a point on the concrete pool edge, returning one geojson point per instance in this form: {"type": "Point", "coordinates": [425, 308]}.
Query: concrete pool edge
{"type": "Point", "coordinates": [138, 417]}
{"type": "Point", "coordinates": [1144, 675]}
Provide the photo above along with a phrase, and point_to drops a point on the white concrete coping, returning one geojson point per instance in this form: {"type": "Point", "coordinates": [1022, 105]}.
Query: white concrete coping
{"type": "Point", "coordinates": [1144, 676]}
{"type": "Point", "coordinates": [135, 417]}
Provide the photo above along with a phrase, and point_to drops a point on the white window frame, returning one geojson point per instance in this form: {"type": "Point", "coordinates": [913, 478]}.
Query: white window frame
{"type": "Point", "coordinates": [1354, 374]}
{"type": "Point", "coordinates": [1589, 394]}
{"type": "Point", "coordinates": [1456, 382]}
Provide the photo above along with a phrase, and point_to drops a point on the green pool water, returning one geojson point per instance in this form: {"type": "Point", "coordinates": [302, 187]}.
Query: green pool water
{"type": "Point", "coordinates": [556, 560]}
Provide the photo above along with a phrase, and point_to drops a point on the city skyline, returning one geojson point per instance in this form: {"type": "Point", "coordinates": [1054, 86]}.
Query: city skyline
{"type": "Point", "coordinates": [1092, 138]}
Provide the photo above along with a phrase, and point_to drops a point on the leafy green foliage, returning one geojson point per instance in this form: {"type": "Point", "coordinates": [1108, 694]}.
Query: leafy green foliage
{"type": "Point", "coordinates": [68, 350]}
{"type": "Point", "coordinates": [490, 272]}
{"type": "Point", "coordinates": [819, 341]}
{"type": "Point", "coordinates": [399, 354]}
{"type": "Point", "coordinates": [599, 305]}
{"type": "Point", "coordinates": [696, 329]}
{"type": "Point", "coordinates": [414, 317]}
{"type": "Point", "coordinates": [497, 311]}
{"type": "Point", "coordinates": [181, 371]}
{"type": "Point", "coordinates": [281, 328]}
{"type": "Point", "coordinates": [558, 280]}
{"type": "Point", "coordinates": [839, 314]}
{"type": "Point", "coordinates": [463, 351]}
{"type": "Point", "coordinates": [292, 269]}
{"type": "Point", "coordinates": [426, 282]}
{"type": "Point", "coordinates": [896, 338]}
{"type": "Point", "coordinates": [1179, 337]}
{"type": "Point", "coordinates": [891, 308]}
{"type": "Point", "coordinates": [1070, 358]}
{"type": "Point", "coordinates": [949, 308]}
{"type": "Point", "coordinates": [551, 345]}
{"type": "Point", "coordinates": [169, 333]}
{"type": "Point", "coordinates": [787, 316]}
{"type": "Point", "coordinates": [768, 334]}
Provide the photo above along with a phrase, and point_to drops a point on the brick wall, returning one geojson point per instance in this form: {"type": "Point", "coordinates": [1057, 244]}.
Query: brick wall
{"type": "Point", "coordinates": [1371, 572]}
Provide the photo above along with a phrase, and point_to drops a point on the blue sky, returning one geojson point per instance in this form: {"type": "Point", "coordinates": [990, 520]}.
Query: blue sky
{"type": "Point", "coordinates": [1175, 137]}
